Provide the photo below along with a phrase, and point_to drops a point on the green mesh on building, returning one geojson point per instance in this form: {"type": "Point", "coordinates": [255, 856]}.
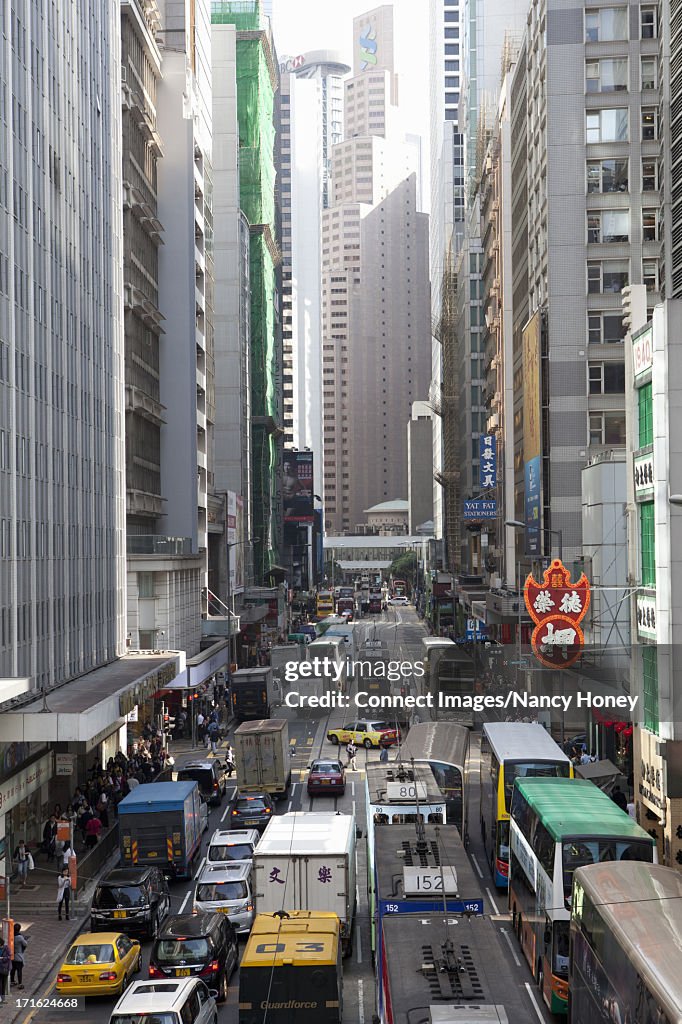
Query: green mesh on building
{"type": "Point", "coordinates": [255, 116]}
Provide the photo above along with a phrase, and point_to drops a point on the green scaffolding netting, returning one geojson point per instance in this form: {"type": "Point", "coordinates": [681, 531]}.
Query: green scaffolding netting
{"type": "Point", "coordinates": [255, 114]}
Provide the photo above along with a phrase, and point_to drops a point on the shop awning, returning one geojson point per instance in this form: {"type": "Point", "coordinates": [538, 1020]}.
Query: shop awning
{"type": "Point", "coordinates": [83, 708]}
{"type": "Point", "coordinates": [602, 773]}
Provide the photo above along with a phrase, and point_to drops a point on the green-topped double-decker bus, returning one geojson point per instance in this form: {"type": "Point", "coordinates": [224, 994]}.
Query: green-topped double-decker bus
{"type": "Point", "coordinates": [558, 826]}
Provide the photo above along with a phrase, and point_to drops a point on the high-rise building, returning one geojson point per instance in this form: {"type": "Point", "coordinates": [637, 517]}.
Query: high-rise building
{"type": "Point", "coordinates": [311, 123]}
{"type": "Point", "coordinates": [257, 84]}
{"type": "Point", "coordinates": [232, 314]}
{"type": "Point", "coordinates": [375, 302]}
{"type": "Point", "coordinates": [446, 223]}
{"type": "Point", "coordinates": [62, 497]}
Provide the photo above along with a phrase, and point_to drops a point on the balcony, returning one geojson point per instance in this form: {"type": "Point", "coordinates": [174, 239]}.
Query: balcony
{"type": "Point", "coordinates": [155, 544]}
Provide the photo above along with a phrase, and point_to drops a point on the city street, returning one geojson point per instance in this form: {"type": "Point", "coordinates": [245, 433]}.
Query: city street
{"type": "Point", "coordinates": [402, 631]}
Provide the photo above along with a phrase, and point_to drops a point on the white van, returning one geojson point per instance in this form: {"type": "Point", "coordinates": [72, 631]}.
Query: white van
{"type": "Point", "coordinates": [226, 889]}
{"type": "Point", "coordinates": [177, 1001]}
{"type": "Point", "coordinates": [227, 845]}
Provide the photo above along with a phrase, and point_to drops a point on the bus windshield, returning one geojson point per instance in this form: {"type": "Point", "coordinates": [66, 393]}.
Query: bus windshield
{"type": "Point", "coordinates": [578, 853]}
{"type": "Point", "coordinates": [514, 770]}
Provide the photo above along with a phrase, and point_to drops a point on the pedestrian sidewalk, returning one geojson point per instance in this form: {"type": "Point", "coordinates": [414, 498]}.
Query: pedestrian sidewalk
{"type": "Point", "coordinates": [35, 907]}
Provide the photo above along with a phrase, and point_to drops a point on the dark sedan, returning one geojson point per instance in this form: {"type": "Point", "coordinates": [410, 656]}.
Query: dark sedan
{"type": "Point", "coordinates": [326, 776]}
{"type": "Point", "coordinates": [252, 810]}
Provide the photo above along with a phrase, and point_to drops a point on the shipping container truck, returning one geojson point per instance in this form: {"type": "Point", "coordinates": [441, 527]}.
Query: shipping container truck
{"type": "Point", "coordinates": [305, 860]}
{"type": "Point", "coordinates": [252, 693]}
{"type": "Point", "coordinates": [262, 753]}
{"type": "Point", "coordinates": [160, 823]}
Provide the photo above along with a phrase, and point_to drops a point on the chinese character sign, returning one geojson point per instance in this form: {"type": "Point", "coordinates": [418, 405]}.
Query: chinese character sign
{"type": "Point", "coordinates": [557, 606]}
{"type": "Point", "coordinates": [487, 461]}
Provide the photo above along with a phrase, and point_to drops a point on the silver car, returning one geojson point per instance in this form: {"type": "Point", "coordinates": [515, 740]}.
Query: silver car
{"type": "Point", "coordinates": [226, 889]}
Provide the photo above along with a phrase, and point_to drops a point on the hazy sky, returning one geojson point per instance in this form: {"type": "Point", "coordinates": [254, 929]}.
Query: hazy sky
{"type": "Point", "coordinates": [301, 25]}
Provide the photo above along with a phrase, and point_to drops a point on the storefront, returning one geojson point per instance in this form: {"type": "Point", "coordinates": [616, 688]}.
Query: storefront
{"type": "Point", "coordinates": [24, 802]}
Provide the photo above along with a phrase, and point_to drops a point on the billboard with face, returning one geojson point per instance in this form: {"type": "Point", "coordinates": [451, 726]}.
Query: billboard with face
{"type": "Point", "coordinates": [297, 487]}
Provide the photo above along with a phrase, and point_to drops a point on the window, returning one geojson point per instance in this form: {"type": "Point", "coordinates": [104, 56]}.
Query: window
{"type": "Point", "coordinates": [645, 408]}
{"type": "Point", "coordinates": [649, 73]}
{"type": "Point", "coordinates": [609, 125]}
{"type": "Point", "coordinates": [650, 275]}
{"type": "Point", "coordinates": [649, 122]}
{"type": "Point", "coordinates": [606, 378]}
{"type": "Point", "coordinates": [607, 276]}
{"type": "Point", "coordinates": [608, 226]}
{"type": "Point", "coordinates": [648, 22]}
{"type": "Point", "coordinates": [649, 225]}
{"type": "Point", "coordinates": [650, 685]}
{"type": "Point", "coordinates": [606, 24]}
{"type": "Point", "coordinates": [145, 584]}
{"type": "Point", "coordinates": [607, 176]}
{"type": "Point", "coordinates": [647, 538]}
{"type": "Point", "coordinates": [607, 75]}
{"type": "Point", "coordinates": [605, 328]}
{"type": "Point", "coordinates": [649, 176]}
{"type": "Point", "coordinates": [147, 639]}
{"type": "Point", "coordinates": [607, 428]}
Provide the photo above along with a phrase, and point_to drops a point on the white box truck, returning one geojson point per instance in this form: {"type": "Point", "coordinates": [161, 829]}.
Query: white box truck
{"type": "Point", "coordinates": [261, 749]}
{"type": "Point", "coordinates": [305, 860]}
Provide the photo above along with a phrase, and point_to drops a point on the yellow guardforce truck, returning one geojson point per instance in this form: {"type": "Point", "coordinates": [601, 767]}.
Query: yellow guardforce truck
{"type": "Point", "coordinates": [291, 970]}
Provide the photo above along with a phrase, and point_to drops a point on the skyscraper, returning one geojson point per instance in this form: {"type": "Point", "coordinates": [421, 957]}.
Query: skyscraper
{"type": "Point", "coordinates": [311, 123]}
{"type": "Point", "coordinates": [446, 223]}
{"type": "Point", "coordinates": [62, 498]}
{"type": "Point", "coordinates": [375, 306]}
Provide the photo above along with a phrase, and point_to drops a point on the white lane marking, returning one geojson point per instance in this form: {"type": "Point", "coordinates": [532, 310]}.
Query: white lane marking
{"type": "Point", "coordinates": [354, 815]}
{"type": "Point", "coordinates": [200, 868]}
{"type": "Point", "coordinates": [490, 897]}
{"type": "Point", "coordinates": [184, 903]}
{"type": "Point", "coordinates": [293, 789]}
{"type": "Point", "coordinates": [361, 1001]}
{"type": "Point", "coordinates": [533, 1000]}
{"type": "Point", "coordinates": [476, 865]}
{"type": "Point", "coordinates": [352, 788]}
{"type": "Point", "coordinates": [359, 941]}
{"type": "Point", "coordinates": [224, 814]}
{"type": "Point", "coordinates": [511, 947]}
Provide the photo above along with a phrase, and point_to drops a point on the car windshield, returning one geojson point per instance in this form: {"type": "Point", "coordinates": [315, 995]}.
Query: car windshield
{"type": "Point", "coordinates": [95, 953]}
{"type": "Point", "coordinates": [238, 851]}
{"type": "Point", "coordinates": [201, 775]}
{"type": "Point", "coordinates": [169, 951]}
{"type": "Point", "coordinates": [144, 1018]}
{"type": "Point", "coordinates": [111, 896]}
{"type": "Point", "coordinates": [252, 806]}
{"type": "Point", "coordinates": [221, 892]}
{"type": "Point", "coordinates": [326, 768]}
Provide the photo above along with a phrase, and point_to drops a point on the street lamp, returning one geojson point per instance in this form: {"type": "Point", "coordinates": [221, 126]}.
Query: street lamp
{"type": "Point", "coordinates": [518, 525]}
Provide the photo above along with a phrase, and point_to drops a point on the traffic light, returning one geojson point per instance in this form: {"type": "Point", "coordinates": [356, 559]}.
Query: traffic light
{"type": "Point", "coordinates": [168, 724]}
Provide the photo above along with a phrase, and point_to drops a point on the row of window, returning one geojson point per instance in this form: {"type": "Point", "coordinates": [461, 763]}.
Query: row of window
{"type": "Point", "coordinates": [612, 124]}
{"type": "Point", "coordinates": [610, 24]}
{"type": "Point", "coordinates": [614, 225]}
{"type": "Point", "coordinates": [614, 275]}
{"type": "Point", "coordinates": [612, 175]}
{"type": "Point", "coordinates": [611, 74]}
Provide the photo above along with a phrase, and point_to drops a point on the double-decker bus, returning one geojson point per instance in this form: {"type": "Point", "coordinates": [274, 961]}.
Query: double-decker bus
{"type": "Point", "coordinates": [557, 826]}
{"type": "Point", "coordinates": [324, 603]}
{"type": "Point", "coordinates": [444, 746]}
{"type": "Point", "coordinates": [448, 671]}
{"type": "Point", "coordinates": [510, 751]}
{"type": "Point", "coordinates": [399, 588]}
{"type": "Point", "coordinates": [626, 936]}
